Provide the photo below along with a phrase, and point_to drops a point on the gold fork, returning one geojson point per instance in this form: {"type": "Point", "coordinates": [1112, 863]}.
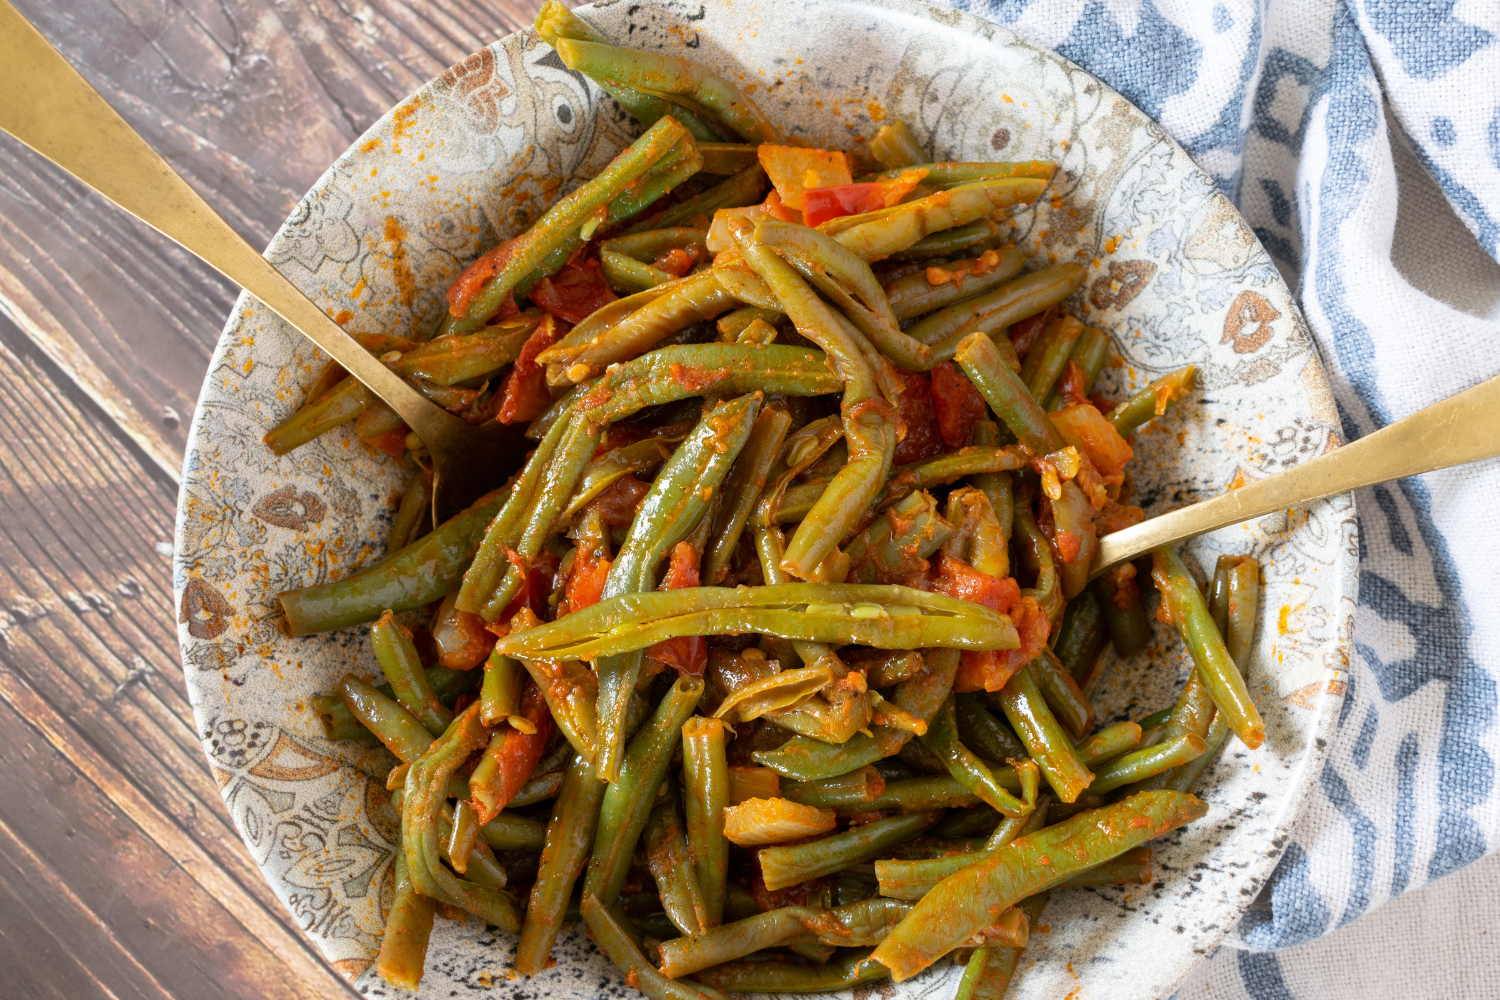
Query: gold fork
{"type": "Point", "coordinates": [46, 105]}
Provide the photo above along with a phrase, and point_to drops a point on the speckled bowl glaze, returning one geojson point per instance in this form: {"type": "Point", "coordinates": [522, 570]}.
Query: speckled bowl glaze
{"type": "Point", "coordinates": [1175, 276]}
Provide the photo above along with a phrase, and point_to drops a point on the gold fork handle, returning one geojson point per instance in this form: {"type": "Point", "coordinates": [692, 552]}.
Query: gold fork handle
{"type": "Point", "coordinates": [47, 105]}
{"type": "Point", "coordinates": [1462, 428]}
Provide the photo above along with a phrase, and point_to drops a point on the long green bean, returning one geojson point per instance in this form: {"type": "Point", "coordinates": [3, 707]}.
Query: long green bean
{"type": "Point", "coordinates": [1139, 765]}
{"type": "Point", "coordinates": [1068, 703]}
{"type": "Point", "coordinates": [678, 80]}
{"type": "Point", "coordinates": [705, 773]}
{"type": "Point", "coordinates": [1090, 353]}
{"type": "Point", "coordinates": [628, 801]}
{"type": "Point", "coordinates": [1031, 718]}
{"type": "Point", "coordinates": [682, 898]}
{"type": "Point", "coordinates": [988, 973]}
{"type": "Point", "coordinates": [408, 926]}
{"type": "Point", "coordinates": [877, 235]}
{"type": "Point", "coordinates": [555, 21]}
{"type": "Point", "coordinates": [858, 924]}
{"type": "Point", "coordinates": [570, 833]}
{"type": "Point", "coordinates": [786, 866]}
{"type": "Point", "coordinates": [971, 772]}
{"type": "Point", "coordinates": [527, 252]}
{"type": "Point", "coordinates": [393, 725]}
{"type": "Point", "coordinates": [1081, 637]}
{"type": "Point", "coordinates": [1152, 401]}
{"type": "Point", "coordinates": [895, 146]}
{"type": "Point", "coordinates": [914, 294]}
{"type": "Point", "coordinates": [967, 900]}
{"type": "Point", "coordinates": [1006, 394]}
{"type": "Point", "coordinates": [746, 481]}
{"type": "Point", "coordinates": [416, 576]}
{"type": "Point", "coordinates": [611, 932]}
{"type": "Point", "coordinates": [1124, 614]}
{"type": "Point", "coordinates": [848, 970]}
{"type": "Point", "coordinates": [744, 188]}
{"type": "Point", "coordinates": [398, 658]}
{"type": "Point", "coordinates": [999, 307]}
{"type": "Point", "coordinates": [1189, 613]}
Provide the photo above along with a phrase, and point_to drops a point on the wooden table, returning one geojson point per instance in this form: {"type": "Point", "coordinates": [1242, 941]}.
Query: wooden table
{"type": "Point", "coordinates": [120, 873]}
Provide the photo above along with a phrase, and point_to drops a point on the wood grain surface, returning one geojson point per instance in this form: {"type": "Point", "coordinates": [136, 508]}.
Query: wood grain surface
{"type": "Point", "coordinates": [120, 873]}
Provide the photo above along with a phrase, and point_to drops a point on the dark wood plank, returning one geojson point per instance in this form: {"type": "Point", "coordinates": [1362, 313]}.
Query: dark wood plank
{"type": "Point", "coordinates": [250, 101]}
{"type": "Point", "coordinates": [89, 661]}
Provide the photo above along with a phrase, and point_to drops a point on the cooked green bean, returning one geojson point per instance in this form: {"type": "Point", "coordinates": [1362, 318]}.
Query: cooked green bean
{"type": "Point", "coordinates": [999, 307]}
{"type": "Point", "coordinates": [1139, 765]}
{"type": "Point", "coordinates": [611, 931]}
{"type": "Point", "coordinates": [746, 481]}
{"type": "Point", "coordinates": [1090, 352]}
{"type": "Point", "coordinates": [895, 146]}
{"type": "Point", "coordinates": [982, 732]}
{"type": "Point", "coordinates": [1109, 743]}
{"type": "Point", "coordinates": [705, 773]}
{"type": "Point", "coordinates": [403, 946]}
{"type": "Point", "coordinates": [539, 788]}
{"type": "Point", "coordinates": [914, 295]}
{"type": "Point", "coordinates": [858, 924]}
{"type": "Point", "coordinates": [732, 325]}
{"type": "Point", "coordinates": [1031, 718]}
{"type": "Point", "coordinates": [343, 403]}
{"type": "Point", "coordinates": [1006, 394]}
{"type": "Point", "coordinates": [883, 616]}
{"type": "Point", "coordinates": [647, 244]}
{"type": "Point", "coordinates": [393, 725]}
{"type": "Point", "coordinates": [628, 801]}
{"type": "Point", "coordinates": [1125, 615]}
{"type": "Point", "coordinates": [727, 157]}
{"type": "Point", "coordinates": [988, 973]}
{"type": "Point", "coordinates": [509, 832]}
{"type": "Point", "coordinates": [689, 300]}
{"type": "Point", "coordinates": [880, 552]}
{"type": "Point", "coordinates": [971, 772]}
{"type": "Point", "coordinates": [1069, 704]}
{"type": "Point", "coordinates": [1185, 604]}
{"type": "Point", "coordinates": [416, 576]}
{"type": "Point", "coordinates": [628, 275]}
{"type": "Point", "coordinates": [570, 833]}
{"type": "Point", "coordinates": [786, 866]}
{"type": "Point", "coordinates": [676, 501]}
{"type": "Point", "coordinates": [614, 465]}
{"type": "Point", "coordinates": [422, 821]}
{"type": "Point", "coordinates": [398, 658]}
{"type": "Point", "coordinates": [528, 251]}
{"type": "Point", "coordinates": [747, 187]}
{"type": "Point", "coordinates": [977, 236]}
{"type": "Point", "coordinates": [868, 430]}
{"type": "Point", "coordinates": [1081, 637]}
{"type": "Point", "coordinates": [684, 901]}
{"type": "Point", "coordinates": [858, 788]}
{"type": "Point", "coordinates": [971, 460]}
{"type": "Point", "coordinates": [677, 80]}
{"type": "Point", "coordinates": [968, 900]}
{"type": "Point", "coordinates": [751, 976]}
{"type": "Point", "coordinates": [951, 174]}
{"type": "Point", "coordinates": [913, 879]}
{"type": "Point", "coordinates": [1152, 401]}
{"type": "Point", "coordinates": [412, 515]}
{"type": "Point", "coordinates": [1049, 355]}
{"type": "Point", "coordinates": [877, 235]}
{"type": "Point", "coordinates": [450, 359]}
{"type": "Point", "coordinates": [555, 21]}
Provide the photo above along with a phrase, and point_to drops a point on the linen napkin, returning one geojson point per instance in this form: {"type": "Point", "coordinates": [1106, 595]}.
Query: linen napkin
{"type": "Point", "coordinates": [1302, 111]}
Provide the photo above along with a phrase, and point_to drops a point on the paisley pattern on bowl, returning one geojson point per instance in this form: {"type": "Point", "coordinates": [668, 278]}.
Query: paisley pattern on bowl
{"type": "Point", "coordinates": [1175, 276]}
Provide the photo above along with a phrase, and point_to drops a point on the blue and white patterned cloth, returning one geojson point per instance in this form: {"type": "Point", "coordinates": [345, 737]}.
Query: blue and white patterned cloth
{"type": "Point", "coordinates": [1304, 110]}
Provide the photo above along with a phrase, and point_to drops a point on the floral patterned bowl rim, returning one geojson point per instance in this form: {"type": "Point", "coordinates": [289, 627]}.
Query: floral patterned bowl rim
{"type": "Point", "coordinates": [1175, 276]}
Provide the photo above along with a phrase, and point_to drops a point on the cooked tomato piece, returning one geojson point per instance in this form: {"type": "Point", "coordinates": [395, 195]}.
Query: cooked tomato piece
{"type": "Point", "coordinates": [1071, 384]}
{"type": "Point", "coordinates": [1086, 429]}
{"type": "Point", "coordinates": [467, 285]}
{"type": "Point", "coordinates": [823, 203]}
{"type": "Point", "coordinates": [924, 439]}
{"type": "Point", "coordinates": [958, 405]}
{"type": "Point", "coordinates": [574, 292]}
{"type": "Point", "coordinates": [676, 262]}
{"type": "Point", "coordinates": [1024, 333]}
{"type": "Point", "coordinates": [525, 395]}
{"type": "Point", "coordinates": [989, 670]}
{"type": "Point", "coordinates": [955, 578]}
{"type": "Point", "coordinates": [618, 503]}
{"type": "Point", "coordinates": [687, 654]}
{"type": "Point", "coordinates": [536, 583]}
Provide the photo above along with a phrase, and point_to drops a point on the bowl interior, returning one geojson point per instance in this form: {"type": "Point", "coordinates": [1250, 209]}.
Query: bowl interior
{"type": "Point", "coordinates": [1175, 277]}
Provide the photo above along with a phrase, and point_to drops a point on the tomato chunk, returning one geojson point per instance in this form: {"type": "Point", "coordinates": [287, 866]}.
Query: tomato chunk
{"type": "Point", "coordinates": [924, 438]}
{"type": "Point", "coordinates": [525, 395]}
{"type": "Point", "coordinates": [958, 405]}
{"type": "Point", "coordinates": [574, 292]}
{"type": "Point", "coordinates": [989, 670]}
{"type": "Point", "coordinates": [687, 654]}
{"type": "Point", "coordinates": [824, 203]}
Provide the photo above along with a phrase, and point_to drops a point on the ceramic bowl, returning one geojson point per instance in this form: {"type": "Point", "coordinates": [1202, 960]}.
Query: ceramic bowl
{"type": "Point", "coordinates": [1174, 274]}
